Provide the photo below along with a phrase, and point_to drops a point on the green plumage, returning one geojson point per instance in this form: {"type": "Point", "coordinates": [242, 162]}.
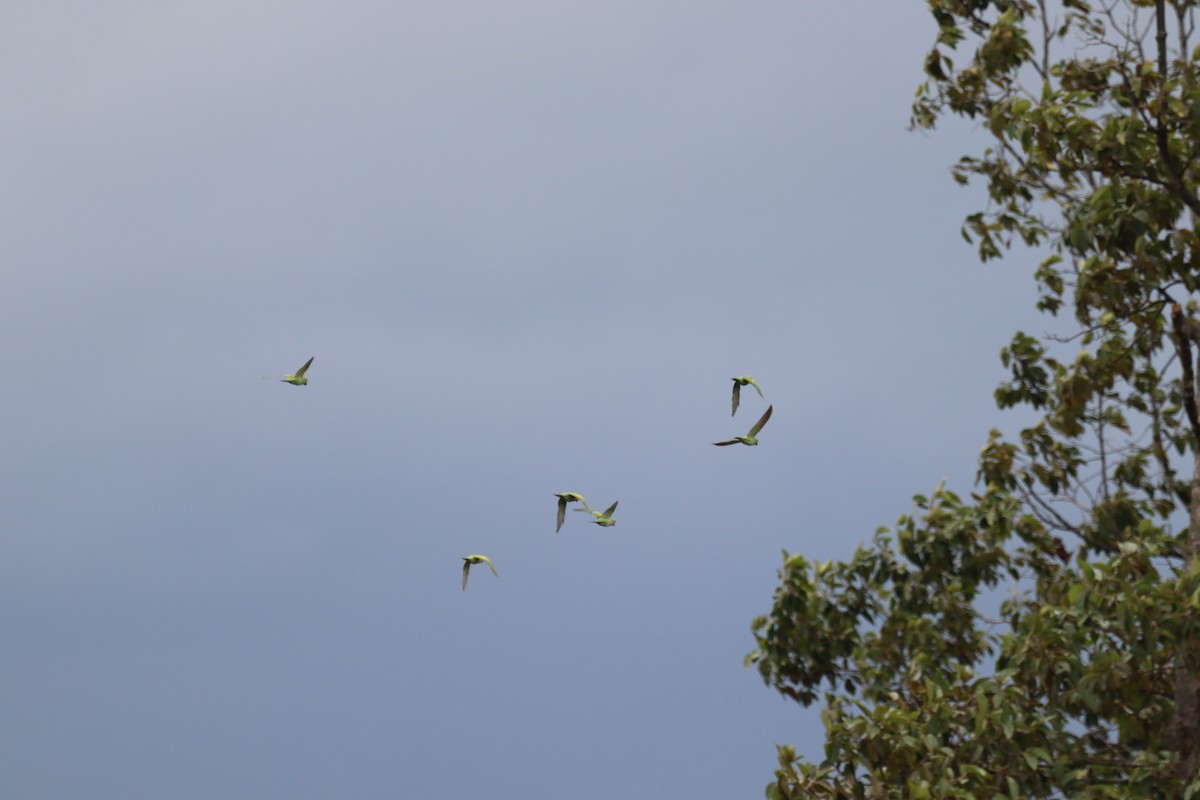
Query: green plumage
{"type": "Point", "coordinates": [751, 437]}
{"type": "Point", "coordinates": [476, 559]}
{"type": "Point", "coordinates": [603, 519]}
{"type": "Point", "coordinates": [563, 499]}
{"type": "Point", "coordinates": [738, 383]}
{"type": "Point", "coordinates": [298, 379]}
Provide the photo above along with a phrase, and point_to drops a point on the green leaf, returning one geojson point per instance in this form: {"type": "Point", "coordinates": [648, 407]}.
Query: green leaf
{"type": "Point", "coordinates": [1078, 518]}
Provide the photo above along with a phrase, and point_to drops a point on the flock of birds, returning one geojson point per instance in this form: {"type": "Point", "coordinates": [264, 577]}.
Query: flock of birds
{"type": "Point", "coordinates": [602, 518]}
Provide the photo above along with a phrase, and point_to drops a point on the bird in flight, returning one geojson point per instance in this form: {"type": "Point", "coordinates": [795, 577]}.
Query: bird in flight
{"type": "Point", "coordinates": [298, 379]}
{"type": "Point", "coordinates": [469, 560]}
{"type": "Point", "coordinates": [563, 499]}
{"type": "Point", "coordinates": [738, 383]}
{"type": "Point", "coordinates": [603, 519]}
{"type": "Point", "coordinates": [749, 438]}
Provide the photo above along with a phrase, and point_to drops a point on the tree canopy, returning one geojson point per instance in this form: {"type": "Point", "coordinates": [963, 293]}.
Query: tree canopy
{"type": "Point", "coordinates": [1085, 680]}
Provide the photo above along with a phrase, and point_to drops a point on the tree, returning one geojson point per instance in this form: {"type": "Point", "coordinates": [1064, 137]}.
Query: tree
{"type": "Point", "coordinates": [1086, 680]}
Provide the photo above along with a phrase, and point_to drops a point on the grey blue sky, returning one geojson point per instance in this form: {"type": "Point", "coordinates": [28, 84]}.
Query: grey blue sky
{"type": "Point", "coordinates": [528, 244]}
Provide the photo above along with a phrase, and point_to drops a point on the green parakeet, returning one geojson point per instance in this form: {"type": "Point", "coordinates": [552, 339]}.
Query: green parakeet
{"type": "Point", "coordinates": [563, 499]}
{"type": "Point", "coordinates": [604, 519]}
{"type": "Point", "coordinates": [738, 383]}
{"type": "Point", "coordinates": [476, 559]}
{"type": "Point", "coordinates": [749, 438]}
{"type": "Point", "coordinates": [298, 379]}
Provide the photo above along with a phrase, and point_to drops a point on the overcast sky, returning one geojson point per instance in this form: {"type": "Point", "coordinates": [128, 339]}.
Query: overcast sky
{"type": "Point", "coordinates": [528, 244]}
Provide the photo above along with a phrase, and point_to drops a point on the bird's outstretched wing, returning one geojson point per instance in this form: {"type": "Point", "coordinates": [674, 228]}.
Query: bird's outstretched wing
{"type": "Point", "coordinates": [722, 444]}
{"type": "Point", "coordinates": [300, 372]}
{"type": "Point", "coordinates": [466, 573]}
{"type": "Point", "coordinates": [762, 421]}
{"type": "Point", "coordinates": [737, 396]}
{"type": "Point", "coordinates": [562, 513]}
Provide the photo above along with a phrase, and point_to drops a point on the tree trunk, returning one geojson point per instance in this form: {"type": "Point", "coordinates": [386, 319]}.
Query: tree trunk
{"type": "Point", "coordinates": [1184, 734]}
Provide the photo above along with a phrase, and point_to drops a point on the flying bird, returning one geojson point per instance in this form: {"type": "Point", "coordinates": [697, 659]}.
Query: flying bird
{"type": "Point", "coordinates": [298, 379]}
{"type": "Point", "coordinates": [749, 438]}
{"type": "Point", "coordinates": [563, 499]}
{"type": "Point", "coordinates": [604, 519]}
{"type": "Point", "coordinates": [469, 560]}
{"type": "Point", "coordinates": [738, 383]}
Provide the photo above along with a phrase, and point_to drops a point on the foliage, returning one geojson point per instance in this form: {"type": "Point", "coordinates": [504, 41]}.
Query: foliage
{"type": "Point", "coordinates": [1086, 681]}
